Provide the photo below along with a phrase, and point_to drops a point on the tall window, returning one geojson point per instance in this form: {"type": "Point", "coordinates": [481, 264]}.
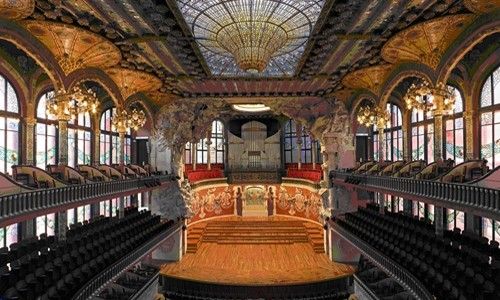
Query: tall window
{"type": "Point", "coordinates": [46, 224]}
{"type": "Point", "coordinates": [454, 130]}
{"type": "Point", "coordinates": [422, 136]}
{"type": "Point", "coordinates": [110, 140]}
{"type": "Point", "coordinates": [393, 136]}
{"type": "Point", "coordinates": [79, 141]}
{"type": "Point", "coordinates": [490, 119]}
{"type": "Point", "coordinates": [291, 144]}
{"type": "Point", "coordinates": [46, 135]}
{"type": "Point", "coordinates": [9, 126]}
{"type": "Point", "coordinates": [8, 235]}
{"type": "Point", "coordinates": [216, 148]}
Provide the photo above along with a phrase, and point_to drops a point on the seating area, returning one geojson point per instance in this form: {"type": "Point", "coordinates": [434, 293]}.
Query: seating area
{"type": "Point", "coordinates": [453, 266]}
{"type": "Point", "coordinates": [55, 269]}
{"type": "Point", "coordinates": [129, 283]}
{"type": "Point", "coordinates": [379, 283]}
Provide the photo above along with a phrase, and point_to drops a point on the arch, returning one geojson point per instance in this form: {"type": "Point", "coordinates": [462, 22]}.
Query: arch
{"type": "Point", "coordinates": [18, 83]}
{"type": "Point", "coordinates": [138, 98]}
{"type": "Point", "coordinates": [100, 77]}
{"type": "Point", "coordinates": [479, 78]}
{"type": "Point", "coordinates": [481, 28]}
{"type": "Point", "coordinates": [403, 71]}
{"type": "Point", "coordinates": [12, 32]}
{"type": "Point", "coordinates": [356, 101]}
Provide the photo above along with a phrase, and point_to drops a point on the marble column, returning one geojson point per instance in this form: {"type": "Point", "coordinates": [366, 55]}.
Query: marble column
{"type": "Point", "coordinates": [439, 216]}
{"type": "Point", "coordinates": [63, 142]}
{"type": "Point", "coordinates": [30, 144]}
{"type": "Point", "coordinates": [62, 224]}
{"type": "Point", "coordinates": [28, 228]}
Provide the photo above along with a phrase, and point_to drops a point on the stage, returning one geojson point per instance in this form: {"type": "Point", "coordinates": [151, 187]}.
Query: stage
{"type": "Point", "coordinates": [256, 251]}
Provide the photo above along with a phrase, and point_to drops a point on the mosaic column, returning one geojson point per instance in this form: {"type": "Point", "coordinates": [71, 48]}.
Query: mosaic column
{"type": "Point", "coordinates": [471, 138]}
{"type": "Point", "coordinates": [381, 144]}
{"type": "Point", "coordinates": [209, 147]}
{"type": "Point", "coordinates": [121, 148]}
{"type": "Point", "coordinates": [62, 224]}
{"type": "Point", "coordinates": [63, 142]}
{"type": "Point", "coordinates": [30, 144]}
{"type": "Point", "coordinates": [97, 147]}
{"type": "Point", "coordinates": [438, 134]}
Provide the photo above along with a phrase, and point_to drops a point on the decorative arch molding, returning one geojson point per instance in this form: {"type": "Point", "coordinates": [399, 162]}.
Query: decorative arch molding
{"type": "Point", "coordinates": [481, 28]}
{"type": "Point", "coordinates": [356, 99]}
{"type": "Point", "coordinates": [12, 32]}
{"type": "Point", "coordinates": [19, 84]}
{"type": "Point", "coordinates": [403, 71]}
{"type": "Point", "coordinates": [487, 67]}
{"type": "Point", "coordinates": [100, 77]}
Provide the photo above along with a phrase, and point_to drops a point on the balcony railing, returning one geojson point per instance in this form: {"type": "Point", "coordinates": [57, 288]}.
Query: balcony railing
{"type": "Point", "coordinates": [13, 207]}
{"type": "Point", "coordinates": [480, 200]}
{"type": "Point", "coordinates": [403, 276]}
{"type": "Point", "coordinates": [93, 287]}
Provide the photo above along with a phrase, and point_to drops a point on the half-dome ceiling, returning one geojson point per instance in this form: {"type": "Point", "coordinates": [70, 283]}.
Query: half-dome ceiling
{"type": "Point", "coordinates": [238, 37]}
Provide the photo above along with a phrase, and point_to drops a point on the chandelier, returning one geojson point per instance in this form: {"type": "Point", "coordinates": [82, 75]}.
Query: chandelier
{"type": "Point", "coordinates": [369, 115]}
{"type": "Point", "coordinates": [422, 97]}
{"type": "Point", "coordinates": [252, 35]}
{"type": "Point", "coordinates": [66, 105]}
{"type": "Point", "coordinates": [123, 120]}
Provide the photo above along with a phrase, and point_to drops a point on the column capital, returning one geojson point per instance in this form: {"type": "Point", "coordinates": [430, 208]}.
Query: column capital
{"type": "Point", "coordinates": [30, 121]}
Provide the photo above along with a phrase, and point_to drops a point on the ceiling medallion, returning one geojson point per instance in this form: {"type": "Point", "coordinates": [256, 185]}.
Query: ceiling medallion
{"type": "Point", "coordinates": [251, 36]}
{"type": "Point", "coordinates": [422, 97]}
{"type": "Point", "coordinates": [16, 9]}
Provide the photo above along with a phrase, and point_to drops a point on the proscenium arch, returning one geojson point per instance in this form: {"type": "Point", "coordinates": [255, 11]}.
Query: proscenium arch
{"type": "Point", "coordinates": [481, 28]}
{"type": "Point", "coordinates": [403, 71]}
{"type": "Point", "coordinates": [24, 40]}
{"type": "Point", "coordinates": [98, 76]}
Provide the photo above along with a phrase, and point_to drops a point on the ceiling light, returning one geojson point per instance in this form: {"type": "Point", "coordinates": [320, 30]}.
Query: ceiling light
{"type": "Point", "coordinates": [252, 108]}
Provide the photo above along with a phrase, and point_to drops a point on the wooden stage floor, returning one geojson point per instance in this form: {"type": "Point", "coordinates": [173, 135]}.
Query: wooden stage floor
{"type": "Point", "coordinates": [255, 263]}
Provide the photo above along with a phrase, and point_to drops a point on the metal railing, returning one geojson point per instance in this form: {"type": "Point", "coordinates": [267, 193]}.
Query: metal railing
{"type": "Point", "coordinates": [484, 200]}
{"type": "Point", "coordinates": [28, 202]}
{"type": "Point", "coordinates": [403, 276]}
{"type": "Point", "coordinates": [92, 287]}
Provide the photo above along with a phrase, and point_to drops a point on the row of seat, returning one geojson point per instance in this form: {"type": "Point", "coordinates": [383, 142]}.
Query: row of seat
{"type": "Point", "coordinates": [56, 269]}
{"type": "Point", "coordinates": [381, 284]}
{"type": "Point", "coordinates": [127, 285]}
{"type": "Point", "coordinates": [449, 268]}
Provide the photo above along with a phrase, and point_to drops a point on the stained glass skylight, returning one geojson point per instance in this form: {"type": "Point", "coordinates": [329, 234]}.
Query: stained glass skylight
{"type": "Point", "coordinates": [244, 37]}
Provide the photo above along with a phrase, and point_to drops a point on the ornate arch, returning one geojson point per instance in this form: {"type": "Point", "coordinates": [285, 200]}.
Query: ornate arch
{"type": "Point", "coordinates": [487, 67]}
{"type": "Point", "coordinates": [402, 71]}
{"type": "Point", "coordinates": [357, 98]}
{"type": "Point", "coordinates": [138, 98]}
{"type": "Point", "coordinates": [19, 84]}
{"type": "Point", "coordinates": [12, 32]}
{"type": "Point", "coordinates": [99, 76]}
{"type": "Point", "coordinates": [482, 27]}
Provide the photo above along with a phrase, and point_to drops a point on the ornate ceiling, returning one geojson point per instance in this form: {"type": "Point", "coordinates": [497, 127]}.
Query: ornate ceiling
{"type": "Point", "coordinates": [173, 45]}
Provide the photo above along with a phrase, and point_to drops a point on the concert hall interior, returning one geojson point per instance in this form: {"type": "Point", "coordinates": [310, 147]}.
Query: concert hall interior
{"type": "Point", "coordinates": [249, 149]}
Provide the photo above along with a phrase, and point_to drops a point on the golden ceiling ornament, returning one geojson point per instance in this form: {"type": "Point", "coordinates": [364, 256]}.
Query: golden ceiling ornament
{"type": "Point", "coordinates": [66, 105]}
{"type": "Point", "coordinates": [137, 119]}
{"type": "Point", "coordinates": [73, 47]}
{"type": "Point", "coordinates": [425, 42]}
{"type": "Point", "coordinates": [482, 6]}
{"type": "Point", "coordinates": [369, 115]}
{"type": "Point", "coordinates": [423, 97]}
{"type": "Point", "coordinates": [370, 78]}
{"type": "Point", "coordinates": [16, 9]}
{"type": "Point", "coordinates": [131, 81]}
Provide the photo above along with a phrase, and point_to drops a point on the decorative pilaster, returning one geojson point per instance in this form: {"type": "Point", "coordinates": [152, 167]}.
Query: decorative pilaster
{"type": "Point", "coordinates": [63, 142]}
{"type": "Point", "coordinates": [30, 145]}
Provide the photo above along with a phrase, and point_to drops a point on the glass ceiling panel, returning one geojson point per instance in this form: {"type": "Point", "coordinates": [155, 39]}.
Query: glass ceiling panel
{"type": "Point", "coordinates": [264, 36]}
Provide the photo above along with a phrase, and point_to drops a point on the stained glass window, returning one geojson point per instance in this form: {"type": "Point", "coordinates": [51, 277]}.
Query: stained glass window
{"type": "Point", "coordinates": [455, 219]}
{"type": "Point", "coordinates": [9, 235]}
{"type": "Point", "coordinates": [217, 147]}
{"type": "Point", "coordinates": [45, 135]}
{"type": "Point", "coordinates": [46, 225]}
{"type": "Point", "coordinates": [393, 136]}
{"type": "Point", "coordinates": [9, 126]}
{"type": "Point", "coordinates": [490, 119]}
{"type": "Point", "coordinates": [291, 145]}
{"type": "Point", "coordinates": [79, 140]}
{"type": "Point", "coordinates": [109, 142]}
{"type": "Point", "coordinates": [422, 136]}
{"type": "Point", "coordinates": [454, 146]}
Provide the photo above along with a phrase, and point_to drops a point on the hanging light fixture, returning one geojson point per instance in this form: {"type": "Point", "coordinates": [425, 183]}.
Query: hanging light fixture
{"type": "Point", "coordinates": [124, 120]}
{"type": "Point", "coordinates": [423, 97]}
{"type": "Point", "coordinates": [369, 115]}
{"type": "Point", "coordinates": [66, 105]}
{"type": "Point", "coordinates": [137, 119]}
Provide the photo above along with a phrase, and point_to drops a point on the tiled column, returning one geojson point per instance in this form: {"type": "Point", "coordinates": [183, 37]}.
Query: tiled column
{"type": "Point", "coordinates": [63, 142]}
{"type": "Point", "coordinates": [97, 146]}
{"type": "Point", "coordinates": [30, 144]}
{"type": "Point", "coordinates": [121, 148]}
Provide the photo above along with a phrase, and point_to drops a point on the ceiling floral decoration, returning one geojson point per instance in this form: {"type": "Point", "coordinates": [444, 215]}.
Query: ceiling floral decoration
{"type": "Point", "coordinates": [426, 42]}
{"type": "Point", "coordinates": [130, 81]}
{"type": "Point", "coordinates": [16, 9]}
{"type": "Point", "coordinates": [73, 47]}
{"type": "Point", "coordinates": [370, 78]}
{"type": "Point", "coordinates": [482, 6]}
